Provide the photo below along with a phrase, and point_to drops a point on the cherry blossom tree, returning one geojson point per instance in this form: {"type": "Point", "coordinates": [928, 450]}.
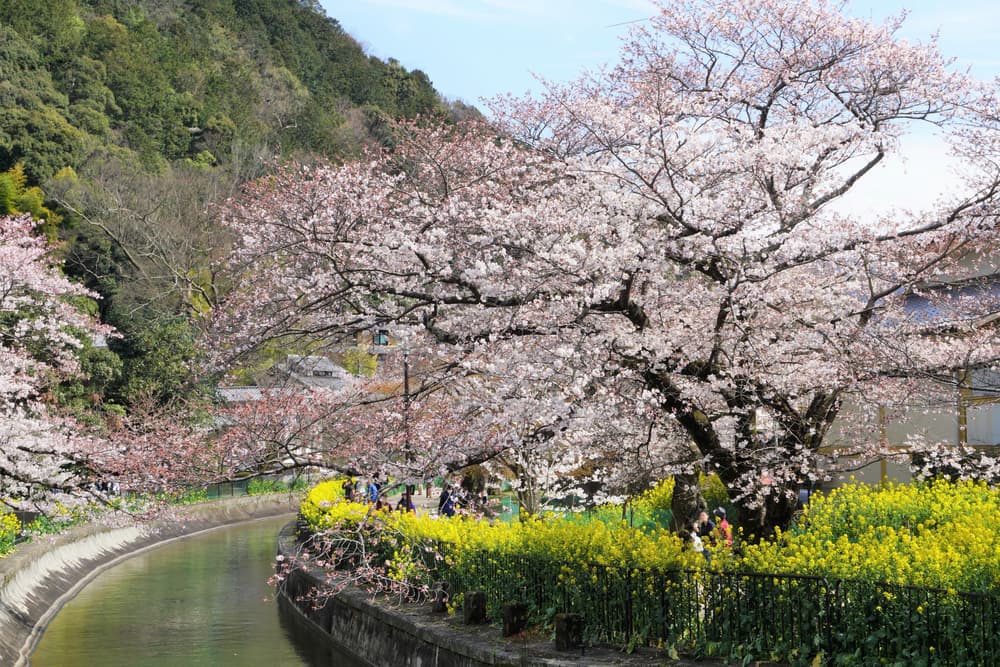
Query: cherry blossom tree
{"type": "Point", "coordinates": [46, 455]}
{"type": "Point", "coordinates": [356, 431]}
{"type": "Point", "coordinates": [40, 334]}
{"type": "Point", "coordinates": [652, 258]}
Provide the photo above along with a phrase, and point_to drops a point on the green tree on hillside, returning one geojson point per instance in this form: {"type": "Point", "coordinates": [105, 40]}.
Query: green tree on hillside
{"type": "Point", "coordinates": [136, 117]}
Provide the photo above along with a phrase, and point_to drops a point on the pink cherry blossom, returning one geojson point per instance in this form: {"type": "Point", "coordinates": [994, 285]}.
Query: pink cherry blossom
{"type": "Point", "coordinates": [644, 271]}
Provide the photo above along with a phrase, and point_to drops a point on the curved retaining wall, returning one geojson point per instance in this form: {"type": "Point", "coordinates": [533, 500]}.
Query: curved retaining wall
{"type": "Point", "coordinates": [41, 576]}
{"type": "Point", "coordinates": [380, 633]}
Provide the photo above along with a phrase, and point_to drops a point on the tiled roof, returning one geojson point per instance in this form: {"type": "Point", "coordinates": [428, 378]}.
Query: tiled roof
{"type": "Point", "coordinates": [945, 303]}
{"type": "Point", "coordinates": [239, 394]}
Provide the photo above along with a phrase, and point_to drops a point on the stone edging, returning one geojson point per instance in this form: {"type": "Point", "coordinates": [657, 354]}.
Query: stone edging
{"type": "Point", "coordinates": [379, 632]}
{"type": "Point", "coordinates": [41, 576]}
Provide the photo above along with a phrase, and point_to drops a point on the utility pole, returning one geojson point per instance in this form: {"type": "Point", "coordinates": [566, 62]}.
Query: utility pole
{"type": "Point", "coordinates": [406, 402]}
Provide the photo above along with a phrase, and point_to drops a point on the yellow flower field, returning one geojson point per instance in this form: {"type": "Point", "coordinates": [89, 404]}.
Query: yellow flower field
{"type": "Point", "coordinates": [939, 535]}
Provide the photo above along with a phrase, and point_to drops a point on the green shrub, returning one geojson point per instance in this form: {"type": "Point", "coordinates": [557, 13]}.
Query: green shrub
{"type": "Point", "coordinates": [60, 518]}
{"type": "Point", "coordinates": [10, 526]}
{"type": "Point", "coordinates": [714, 492]}
{"type": "Point", "coordinates": [185, 497]}
{"type": "Point", "coordinates": [657, 498]}
{"type": "Point", "coordinates": [260, 486]}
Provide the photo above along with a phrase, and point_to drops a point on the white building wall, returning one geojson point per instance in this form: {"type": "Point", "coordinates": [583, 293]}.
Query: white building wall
{"type": "Point", "coordinates": [983, 424]}
{"type": "Point", "coordinates": [933, 417]}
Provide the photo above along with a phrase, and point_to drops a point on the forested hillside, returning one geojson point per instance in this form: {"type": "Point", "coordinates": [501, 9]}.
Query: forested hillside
{"type": "Point", "coordinates": [123, 121]}
{"type": "Point", "coordinates": [158, 81]}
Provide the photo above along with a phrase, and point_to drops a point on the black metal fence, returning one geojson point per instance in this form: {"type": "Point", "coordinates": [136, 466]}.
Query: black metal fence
{"type": "Point", "coordinates": [787, 618]}
{"type": "Point", "coordinates": [227, 489]}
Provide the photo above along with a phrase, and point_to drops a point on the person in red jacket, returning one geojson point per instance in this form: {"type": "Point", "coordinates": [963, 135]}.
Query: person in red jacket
{"type": "Point", "coordinates": [723, 530]}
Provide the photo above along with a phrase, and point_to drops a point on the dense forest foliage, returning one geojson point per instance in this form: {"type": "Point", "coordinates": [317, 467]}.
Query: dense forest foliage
{"type": "Point", "coordinates": [122, 122]}
{"type": "Point", "coordinates": [160, 81]}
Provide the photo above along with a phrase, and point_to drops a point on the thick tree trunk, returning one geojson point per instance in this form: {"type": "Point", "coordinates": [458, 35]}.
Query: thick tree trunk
{"type": "Point", "coordinates": [735, 468]}
{"type": "Point", "coordinates": [687, 501]}
{"type": "Point", "coordinates": [759, 522]}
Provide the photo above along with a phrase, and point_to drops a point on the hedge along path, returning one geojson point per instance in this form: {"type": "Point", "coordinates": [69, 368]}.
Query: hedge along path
{"type": "Point", "coordinates": [41, 576]}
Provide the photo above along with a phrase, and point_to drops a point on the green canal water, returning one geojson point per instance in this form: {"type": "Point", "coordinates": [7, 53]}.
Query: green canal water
{"type": "Point", "coordinates": [198, 601]}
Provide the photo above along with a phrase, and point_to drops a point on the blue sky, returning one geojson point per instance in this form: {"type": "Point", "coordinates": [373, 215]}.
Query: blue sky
{"type": "Point", "coordinates": [473, 49]}
{"type": "Point", "coordinates": [479, 48]}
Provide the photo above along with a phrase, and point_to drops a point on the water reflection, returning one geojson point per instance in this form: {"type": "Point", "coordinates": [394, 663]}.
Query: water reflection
{"type": "Point", "coordinates": [203, 600]}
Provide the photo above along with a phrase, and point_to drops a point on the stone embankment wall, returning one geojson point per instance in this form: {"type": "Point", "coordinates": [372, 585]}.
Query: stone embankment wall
{"type": "Point", "coordinates": [41, 576]}
{"type": "Point", "coordinates": [383, 633]}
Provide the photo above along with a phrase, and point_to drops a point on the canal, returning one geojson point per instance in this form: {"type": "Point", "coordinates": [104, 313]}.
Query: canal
{"type": "Point", "coordinates": [197, 601]}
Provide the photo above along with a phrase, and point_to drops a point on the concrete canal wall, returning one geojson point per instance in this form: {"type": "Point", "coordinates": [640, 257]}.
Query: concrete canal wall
{"type": "Point", "coordinates": [41, 576]}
